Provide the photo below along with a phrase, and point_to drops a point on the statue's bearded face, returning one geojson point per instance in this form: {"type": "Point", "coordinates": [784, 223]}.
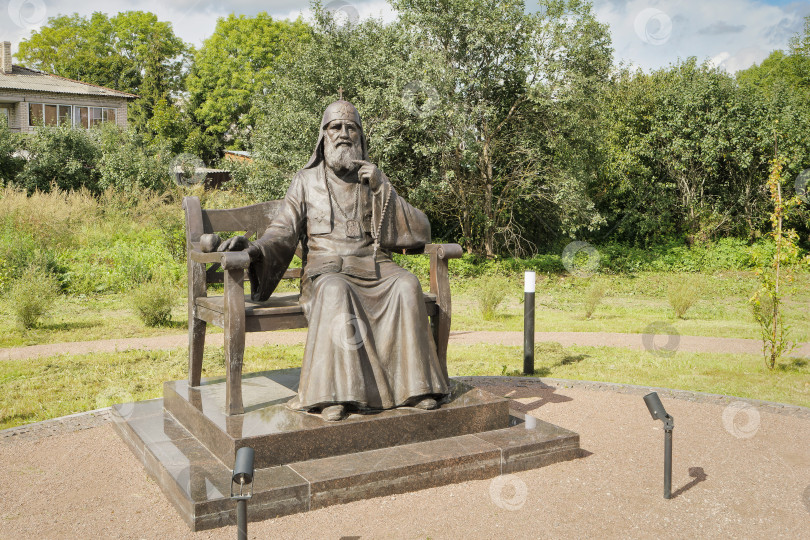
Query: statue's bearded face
{"type": "Point", "coordinates": [342, 146]}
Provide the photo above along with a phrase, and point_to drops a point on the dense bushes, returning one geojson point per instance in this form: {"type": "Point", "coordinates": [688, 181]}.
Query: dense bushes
{"type": "Point", "coordinates": [112, 242]}
{"type": "Point", "coordinates": [119, 240]}
{"type": "Point", "coordinates": [63, 157]}
{"type": "Point", "coordinates": [724, 254]}
{"type": "Point", "coordinates": [74, 159]}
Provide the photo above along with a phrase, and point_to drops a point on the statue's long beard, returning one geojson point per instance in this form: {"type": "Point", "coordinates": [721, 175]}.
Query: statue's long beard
{"type": "Point", "coordinates": [341, 158]}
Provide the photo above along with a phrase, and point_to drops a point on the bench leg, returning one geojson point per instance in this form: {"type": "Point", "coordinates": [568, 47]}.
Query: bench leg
{"type": "Point", "coordinates": [440, 285]}
{"type": "Point", "coordinates": [234, 339]}
{"type": "Point", "coordinates": [196, 327]}
{"type": "Point", "coordinates": [441, 335]}
{"type": "Point", "coordinates": [196, 345]}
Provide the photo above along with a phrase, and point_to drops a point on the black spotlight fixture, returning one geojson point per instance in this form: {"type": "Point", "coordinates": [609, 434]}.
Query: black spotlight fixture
{"type": "Point", "coordinates": [243, 477]}
{"type": "Point", "coordinates": [658, 412]}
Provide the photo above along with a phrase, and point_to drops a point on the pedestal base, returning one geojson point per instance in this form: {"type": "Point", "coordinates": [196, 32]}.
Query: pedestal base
{"type": "Point", "coordinates": [197, 480]}
{"type": "Point", "coordinates": [280, 435]}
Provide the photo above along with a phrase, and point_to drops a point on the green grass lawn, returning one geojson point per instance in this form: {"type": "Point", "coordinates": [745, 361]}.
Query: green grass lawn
{"type": "Point", "coordinates": [631, 303]}
{"type": "Point", "coordinates": [87, 318]}
{"type": "Point", "coordinates": [44, 388]}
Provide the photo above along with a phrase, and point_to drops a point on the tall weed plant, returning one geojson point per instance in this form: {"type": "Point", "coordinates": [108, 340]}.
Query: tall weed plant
{"type": "Point", "coordinates": [773, 272]}
{"type": "Point", "coordinates": [153, 301]}
{"type": "Point", "coordinates": [490, 292]}
{"type": "Point", "coordinates": [682, 293]}
{"type": "Point", "coordinates": [32, 295]}
{"type": "Point", "coordinates": [594, 295]}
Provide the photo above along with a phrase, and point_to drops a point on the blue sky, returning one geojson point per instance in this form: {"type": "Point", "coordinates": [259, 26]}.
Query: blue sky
{"type": "Point", "coordinates": [649, 34]}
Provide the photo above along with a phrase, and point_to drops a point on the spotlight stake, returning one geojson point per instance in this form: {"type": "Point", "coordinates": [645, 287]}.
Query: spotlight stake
{"type": "Point", "coordinates": [242, 476]}
{"type": "Point", "coordinates": [657, 411]}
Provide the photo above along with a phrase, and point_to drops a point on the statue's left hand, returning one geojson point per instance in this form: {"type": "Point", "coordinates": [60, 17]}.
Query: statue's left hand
{"type": "Point", "coordinates": [369, 173]}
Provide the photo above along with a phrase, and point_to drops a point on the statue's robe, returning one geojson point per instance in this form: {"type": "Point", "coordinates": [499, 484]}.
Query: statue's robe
{"type": "Point", "coordinates": [368, 343]}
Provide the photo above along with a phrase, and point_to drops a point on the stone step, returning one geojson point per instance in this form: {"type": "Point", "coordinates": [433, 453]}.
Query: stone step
{"type": "Point", "coordinates": [198, 483]}
{"type": "Point", "coordinates": [280, 436]}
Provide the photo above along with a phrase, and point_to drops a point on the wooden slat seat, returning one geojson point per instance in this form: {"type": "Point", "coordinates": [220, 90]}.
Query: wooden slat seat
{"type": "Point", "coordinates": [278, 304]}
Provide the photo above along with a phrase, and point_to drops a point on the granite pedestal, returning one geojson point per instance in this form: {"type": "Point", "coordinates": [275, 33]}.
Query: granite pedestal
{"type": "Point", "coordinates": [187, 444]}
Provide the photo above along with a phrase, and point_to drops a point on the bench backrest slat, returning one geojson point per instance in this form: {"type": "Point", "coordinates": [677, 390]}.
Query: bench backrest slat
{"type": "Point", "coordinates": [254, 218]}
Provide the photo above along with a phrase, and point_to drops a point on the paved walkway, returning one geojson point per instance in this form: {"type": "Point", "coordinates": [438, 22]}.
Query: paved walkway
{"type": "Point", "coordinates": [595, 339]}
{"type": "Point", "coordinates": [738, 472]}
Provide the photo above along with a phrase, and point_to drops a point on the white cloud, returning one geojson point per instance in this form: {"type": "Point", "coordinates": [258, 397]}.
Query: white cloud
{"type": "Point", "coordinates": [742, 32]}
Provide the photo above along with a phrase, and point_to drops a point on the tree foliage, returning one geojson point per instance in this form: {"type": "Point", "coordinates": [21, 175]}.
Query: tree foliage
{"type": "Point", "coordinates": [232, 66]}
{"type": "Point", "coordinates": [131, 51]}
{"type": "Point", "coordinates": [688, 149]}
{"type": "Point", "coordinates": [510, 126]}
{"type": "Point", "coordinates": [108, 51]}
{"type": "Point", "coordinates": [480, 112]}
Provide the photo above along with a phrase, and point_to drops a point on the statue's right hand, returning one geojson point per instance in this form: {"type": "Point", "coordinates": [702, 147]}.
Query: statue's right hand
{"type": "Point", "coordinates": [237, 243]}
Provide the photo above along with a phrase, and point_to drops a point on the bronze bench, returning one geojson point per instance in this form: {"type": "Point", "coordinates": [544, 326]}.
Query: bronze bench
{"type": "Point", "coordinates": [236, 313]}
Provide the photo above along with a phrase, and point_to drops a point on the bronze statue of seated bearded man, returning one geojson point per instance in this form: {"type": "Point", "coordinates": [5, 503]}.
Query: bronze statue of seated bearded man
{"type": "Point", "coordinates": [368, 344]}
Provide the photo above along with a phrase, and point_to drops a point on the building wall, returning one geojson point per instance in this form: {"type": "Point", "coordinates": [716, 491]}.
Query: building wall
{"type": "Point", "coordinates": [21, 99]}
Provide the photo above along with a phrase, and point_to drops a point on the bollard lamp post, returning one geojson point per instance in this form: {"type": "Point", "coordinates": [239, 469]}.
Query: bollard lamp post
{"type": "Point", "coordinates": [528, 323]}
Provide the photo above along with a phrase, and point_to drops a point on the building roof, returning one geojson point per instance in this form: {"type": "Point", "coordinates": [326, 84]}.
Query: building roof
{"type": "Point", "coordinates": [22, 78]}
{"type": "Point", "coordinates": [242, 153]}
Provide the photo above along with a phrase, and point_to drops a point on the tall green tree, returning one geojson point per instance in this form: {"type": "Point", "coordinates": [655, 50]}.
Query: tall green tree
{"type": "Point", "coordinates": [131, 51]}
{"type": "Point", "coordinates": [688, 152]}
{"type": "Point", "coordinates": [475, 109]}
{"type": "Point", "coordinates": [232, 66]}
{"type": "Point", "coordinates": [500, 74]}
{"type": "Point", "coordinates": [783, 69]}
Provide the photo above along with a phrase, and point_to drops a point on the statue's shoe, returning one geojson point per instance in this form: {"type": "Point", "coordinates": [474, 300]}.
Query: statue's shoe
{"type": "Point", "coordinates": [333, 413]}
{"type": "Point", "coordinates": [427, 404]}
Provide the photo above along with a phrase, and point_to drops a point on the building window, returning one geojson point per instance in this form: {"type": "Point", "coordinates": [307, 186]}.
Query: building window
{"type": "Point", "coordinates": [61, 115]}
{"type": "Point", "coordinates": [34, 114]}
{"type": "Point", "coordinates": [65, 115]}
{"type": "Point", "coordinates": [96, 117]}
{"type": "Point", "coordinates": [80, 118]}
{"type": "Point", "coordinates": [50, 115]}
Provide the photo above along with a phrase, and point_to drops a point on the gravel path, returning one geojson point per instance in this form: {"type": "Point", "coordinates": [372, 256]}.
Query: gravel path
{"type": "Point", "coordinates": [739, 471]}
{"type": "Point", "coordinates": [608, 339]}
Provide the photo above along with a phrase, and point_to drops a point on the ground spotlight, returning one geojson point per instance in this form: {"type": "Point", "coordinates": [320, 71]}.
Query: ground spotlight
{"type": "Point", "coordinates": [243, 477]}
{"type": "Point", "coordinates": [658, 412]}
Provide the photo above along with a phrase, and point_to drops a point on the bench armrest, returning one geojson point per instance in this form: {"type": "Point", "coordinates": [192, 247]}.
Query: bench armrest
{"type": "Point", "coordinates": [229, 260]}
{"type": "Point", "coordinates": [444, 251]}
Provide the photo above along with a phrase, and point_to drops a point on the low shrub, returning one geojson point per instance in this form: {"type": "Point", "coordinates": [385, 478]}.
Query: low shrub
{"type": "Point", "coordinates": [490, 292]}
{"type": "Point", "coordinates": [153, 302]}
{"type": "Point", "coordinates": [683, 292]}
{"type": "Point", "coordinates": [62, 157]}
{"type": "Point", "coordinates": [593, 297]}
{"type": "Point", "coordinates": [32, 295]}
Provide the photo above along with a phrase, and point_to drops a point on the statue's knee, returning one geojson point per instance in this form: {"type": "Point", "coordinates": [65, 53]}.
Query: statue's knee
{"type": "Point", "coordinates": [332, 287]}
{"type": "Point", "coordinates": [408, 286]}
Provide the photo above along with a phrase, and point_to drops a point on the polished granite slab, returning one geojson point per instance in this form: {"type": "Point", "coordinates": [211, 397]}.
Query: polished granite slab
{"type": "Point", "coordinates": [197, 482]}
{"type": "Point", "coordinates": [281, 436]}
{"type": "Point", "coordinates": [193, 479]}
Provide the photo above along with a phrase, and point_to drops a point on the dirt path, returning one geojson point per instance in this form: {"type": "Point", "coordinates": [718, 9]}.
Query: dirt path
{"type": "Point", "coordinates": [738, 472]}
{"type": "Point", "coordinates": [608, 339]}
